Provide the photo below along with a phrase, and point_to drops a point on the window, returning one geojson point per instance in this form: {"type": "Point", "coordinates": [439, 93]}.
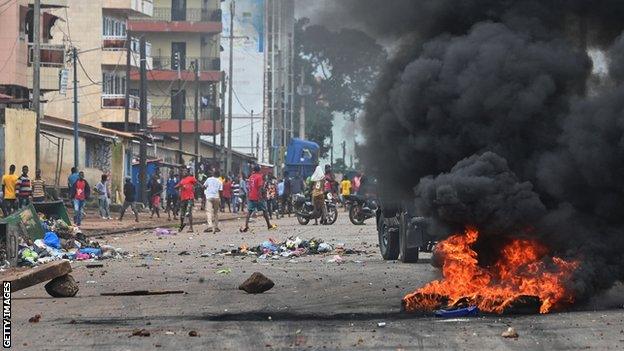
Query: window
{"type": "Point", "coordinates": [114, 27]}
{"type": "Point", "coordinates": [114, 83]}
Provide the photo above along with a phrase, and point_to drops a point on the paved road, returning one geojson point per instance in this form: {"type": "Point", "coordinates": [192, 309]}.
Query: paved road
{"type": "Point", "coordinates": [315, 304]}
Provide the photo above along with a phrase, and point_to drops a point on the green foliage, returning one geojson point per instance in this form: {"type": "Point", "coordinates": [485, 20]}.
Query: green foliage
{"type": "Point", "coordinates": [341, 67]}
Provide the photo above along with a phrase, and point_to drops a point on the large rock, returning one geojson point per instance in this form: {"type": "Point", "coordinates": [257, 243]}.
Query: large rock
{"type": "Point", "coordinates": [257, 284]}
{"type": "Point", "coordinates": [63, 286]}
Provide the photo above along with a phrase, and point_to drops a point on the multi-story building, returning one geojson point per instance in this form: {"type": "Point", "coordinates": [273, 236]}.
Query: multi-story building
{"type": "Point", "coordinates": [279, 85]}
{"type": "Point", "coordinates": [182, 32]}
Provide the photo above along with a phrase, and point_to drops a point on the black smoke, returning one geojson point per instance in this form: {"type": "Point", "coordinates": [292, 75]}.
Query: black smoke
{"type": "Point", "coordinates": [488, 111]}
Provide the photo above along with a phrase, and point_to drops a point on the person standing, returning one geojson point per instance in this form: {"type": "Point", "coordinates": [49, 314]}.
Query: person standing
{"type": "Point", "coordinates": [236, 195]}
{"type": "Point", "coordinates": [186, 188]}
{"type": "Point", "coordinates": [38, 187]}
{"type": "Point", "coordinates": [243, 192]}
{"type": "Point", "coordinates": [73, 177]}
{"type": "Point", "coordinates": [80, 193]}
{"type": "Point", "coordinates": [129, 200]}
{"type": "Point", "coordinates": [155, 194]}
{"type": "Point", "coordinates": [103, 193]}
{"type": "Point", "coordinates": [227, 194]}
{"type": "Point", "coordinates": [24, 188]}
{"type": "Point", "coordinates": [172, 196]}
{"type": "Point", "coordinates": [212, 190]}
{"type": "Point", "coordinates": [199, 190]}
{"type": "Point", "coordinates": [345, 190]}
{"type": "Point", "coordinates": [256, 201]}
{"type": "Point", "coordinates": [9, 185]}
{"type": "Point", "coordinates": [355, 184]}
{"type": "Point", "coordinates": [318, 195]}
{"type": "Point", "coordinates": [271, 195]}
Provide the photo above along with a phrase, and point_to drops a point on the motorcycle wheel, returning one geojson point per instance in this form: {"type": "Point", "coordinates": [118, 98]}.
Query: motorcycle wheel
{"type": "Point", "coordinates": [353, 215]}
{"type": "Point", "coordinates": [332, 214]}
{"type": "Point", "coordinates": [302, 220]}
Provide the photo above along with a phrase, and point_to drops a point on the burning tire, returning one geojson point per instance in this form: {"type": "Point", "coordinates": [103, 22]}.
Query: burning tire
{"type": "Point", "coordinates": [388, 239]}
{"type": "Point", "coordinates": [406, 254]}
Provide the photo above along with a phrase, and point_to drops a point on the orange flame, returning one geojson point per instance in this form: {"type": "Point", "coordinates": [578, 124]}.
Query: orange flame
{"type": "Point", "coordinates": [523, 269]}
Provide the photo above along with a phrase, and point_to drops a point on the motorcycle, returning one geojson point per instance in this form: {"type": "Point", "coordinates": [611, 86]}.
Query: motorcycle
{"type": "Point", "coordinates": [304, 209]}
{"type": "Point", "coordinates": [360, 208]}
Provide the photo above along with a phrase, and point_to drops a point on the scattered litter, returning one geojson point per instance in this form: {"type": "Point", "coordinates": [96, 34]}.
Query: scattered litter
{"type": "Point", "coordinates": [224, 271]}
{"type": "Point", "coordinates": [95, 265]}
{"type": "Point", "coordinates": [289, 248]}
{"type": "Point", "coordinates": [193, 333]}
{"type": "Point", "coordinates": [381, 324]}
{"type": "Point", "coordinates": [164, 232]}
{"type": "Point", "coordinates": [141, 332]}
{"type": "Point", "coordinates": [169, 333]}
{"type": "Point", "coordinates": [459, 312]}
{"type": "Point", "coordinates": [257, 284]}
{"type": "Point", "coordinates": [184, 253]}
{"type": "Point", "coordinates": [510, 333]}
{"type": "Point", "coordinates": [35, 319]}
{"type": "Point", "coordinates": [336, 259]}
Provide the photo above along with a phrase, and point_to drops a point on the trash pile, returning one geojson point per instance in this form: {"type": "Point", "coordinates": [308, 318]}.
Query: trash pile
{"type": "Point", "coordinates": [61, 241]}
{"type": "Point", "coordinates": [290, 248]}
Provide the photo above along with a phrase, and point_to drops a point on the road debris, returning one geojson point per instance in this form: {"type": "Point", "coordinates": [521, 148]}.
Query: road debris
{"type": "Point", "coordinates": [63, 286]}
{"type": "Point", "coordinates": [289, 248]}
{"type": "Point", "coordinates": [381, 324]}
{"type": "Point", "coordinates": [34, 319]}
{"type": "Point", "coordinates": [193, 334]}
{"type": "Point", "coordinates": [22, 278]}
{"type": "Point", "coordinates": [164, 232]}
{"type": "Point", "coordinates": [510, 333]}
{"type": "Point", "coordinates": [141, 332]}
{"type": "Point", "coordinates": [224, 271]}
{"type": "Point", "coordinates": [470, 311]}
{"type": "Point", "coordinates": [257, 284]}
{"type": "Point", "coordinates": [336, 259]}
{"type": "Point", "coordinates": [95, 265]}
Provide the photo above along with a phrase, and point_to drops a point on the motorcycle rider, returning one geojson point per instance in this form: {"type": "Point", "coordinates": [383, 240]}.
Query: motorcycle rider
{"type": "Point", "coordinates": [318, 195]}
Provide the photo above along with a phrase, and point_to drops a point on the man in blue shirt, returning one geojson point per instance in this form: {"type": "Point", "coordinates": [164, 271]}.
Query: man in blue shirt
{"type": "Point", "coordinates": [172, 196]}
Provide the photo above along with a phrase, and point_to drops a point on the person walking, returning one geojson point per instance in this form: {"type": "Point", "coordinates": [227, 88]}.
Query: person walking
{"type": "Point", "coordinates": [129, 200]}
{"type": "Point", "coordinates": [9, 185]}
{"type": "Point", "coordinates": [24, 188]}
{"type": "Point", "coordinates": [172, 196]}
{"type": "Point", "coordinates": [79, 193]}
{"type": "Point", "coordinates": [256, 201]}
{"type": "Point", "coordinates": [73, 177]}
{"type": "Point", "coordinates": [212, 191]}
{"type": "Point", "coordinates": [155, 194]}
{"type": "Point", "coordinates": [243, 192]}
{"type": "Point", "coordinates": [103, 193]}
{"type": "Point", "coordinates": [186, 188]}
{"type": "Point", "coordinates": [38, 187]}
{"type": "Point", "coordinates": [271, 195]}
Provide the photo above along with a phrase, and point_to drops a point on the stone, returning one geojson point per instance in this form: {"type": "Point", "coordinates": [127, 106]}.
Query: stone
{"type": "Point", "coordinates": [257, 284]}
{"type": "Point", "coordinates": [63, 286]}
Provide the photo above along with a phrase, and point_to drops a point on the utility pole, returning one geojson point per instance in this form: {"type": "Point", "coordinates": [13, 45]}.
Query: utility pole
{"type": "Point", "coordinates": [228, 164]}
{"type": "Point", "coordinates": [303, 102]}
{"type": "Point", "coordinates": [37, 79]}
{"type": "Point", "coordinates": [181, 105]}
{"type": "Point", "coordinates": [75, 61]}
{"type": "Point", "coordinates": [252, 134]}
{"type": "Point", "coordinates": [214, 125]}
{"type": "Point", "coordinates": [222, 138]}
{"type": "Point", "coordinates": [344, 152]}
{"type": "Point", "coordinates": [143, 122]}
{"type": "Point", "coordinates": [196, 116]}
{"type": "Point", "coordinates": [128, 63]}
{"type": "Point", "coordinates": [331, 149]}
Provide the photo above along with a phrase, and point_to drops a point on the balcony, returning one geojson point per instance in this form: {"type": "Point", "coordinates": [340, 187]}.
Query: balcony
{"type": "Point", "coordinates": [205, 64]}
{"type": "Point", "coordinates": [115, 105]}
{"type": "Point", "coordinates": [165, 113]}
{"type": "Point", "coordinates": [193, 20]}
{"type": "Point", "coordinates": [51, 55]}
{"type": "Point", "coordinates": [114, 52]}
{"type": "Point", "coordinates": [130, 7]}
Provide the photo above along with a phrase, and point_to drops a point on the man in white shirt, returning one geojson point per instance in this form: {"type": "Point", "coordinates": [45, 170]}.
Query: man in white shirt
{"type": "Point", "coordinates": [212, 189]}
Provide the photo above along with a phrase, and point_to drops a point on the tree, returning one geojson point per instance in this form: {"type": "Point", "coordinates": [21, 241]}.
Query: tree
{"type": "Point", "coordinates": [342, 67]}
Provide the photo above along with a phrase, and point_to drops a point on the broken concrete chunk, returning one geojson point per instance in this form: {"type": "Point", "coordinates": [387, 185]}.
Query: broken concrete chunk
{"type": "Point", "coordinates": [257, 284]}
{"type": "Point", "coordinates": [63, 286]}
{"type": "Point", "coordinates": [510, 333]}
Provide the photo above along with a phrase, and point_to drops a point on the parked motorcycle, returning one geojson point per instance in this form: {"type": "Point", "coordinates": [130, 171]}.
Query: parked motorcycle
{"type": "Point", "coordinates": [304, 209]}
{"type": "Point", "coordinates": [360, 208]}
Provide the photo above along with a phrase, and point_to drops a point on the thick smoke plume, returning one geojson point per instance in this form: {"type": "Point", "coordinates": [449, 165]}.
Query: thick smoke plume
{"type": "Point", "coordinates": [489, 111]}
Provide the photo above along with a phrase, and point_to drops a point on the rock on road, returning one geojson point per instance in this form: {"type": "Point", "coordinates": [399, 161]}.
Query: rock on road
{"type": "Point", "coordinates": [314, 304]}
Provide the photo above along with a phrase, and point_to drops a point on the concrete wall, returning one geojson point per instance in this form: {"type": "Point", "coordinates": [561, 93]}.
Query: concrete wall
{"type": "Point", "coordinates": [19, 139]}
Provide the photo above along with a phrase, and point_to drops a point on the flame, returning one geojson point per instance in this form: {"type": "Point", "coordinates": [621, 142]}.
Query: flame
{"type": "Point", "coordinates": [523, 269]}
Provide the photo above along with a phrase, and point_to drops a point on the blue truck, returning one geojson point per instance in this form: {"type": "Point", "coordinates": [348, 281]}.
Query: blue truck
{"type": "Point", "coordinates": [302, 157]}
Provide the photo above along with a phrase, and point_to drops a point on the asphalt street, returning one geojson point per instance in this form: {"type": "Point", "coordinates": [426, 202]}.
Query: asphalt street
{"type": "Point", "coordinates": [314, 305]}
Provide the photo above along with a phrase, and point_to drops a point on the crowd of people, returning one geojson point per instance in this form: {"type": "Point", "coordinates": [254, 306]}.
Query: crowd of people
{"type": "Point", "coordinates": [178, 193]}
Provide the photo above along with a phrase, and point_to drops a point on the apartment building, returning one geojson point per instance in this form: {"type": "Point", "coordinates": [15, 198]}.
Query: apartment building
{"type": "Point", "coordinates": [182, 32]}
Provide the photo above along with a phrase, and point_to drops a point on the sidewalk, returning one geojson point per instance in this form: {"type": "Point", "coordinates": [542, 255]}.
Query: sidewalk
{"type": "Point", "coordinates": [93, 225]}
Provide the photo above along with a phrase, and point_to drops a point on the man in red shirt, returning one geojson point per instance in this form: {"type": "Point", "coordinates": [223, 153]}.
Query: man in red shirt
{"type": "Point", "coordinates": [187, 196]}
{"type": "Point", "coordinates": [256, 199]}
{"type": "Point", "coordinates": [79, 193]}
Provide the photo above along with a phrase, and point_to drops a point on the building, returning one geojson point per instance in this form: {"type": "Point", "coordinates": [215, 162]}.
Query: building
{"type": "Point", "coordinates": [279, 85]}
{"type": "Point", "coordinates": [182, 32]}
